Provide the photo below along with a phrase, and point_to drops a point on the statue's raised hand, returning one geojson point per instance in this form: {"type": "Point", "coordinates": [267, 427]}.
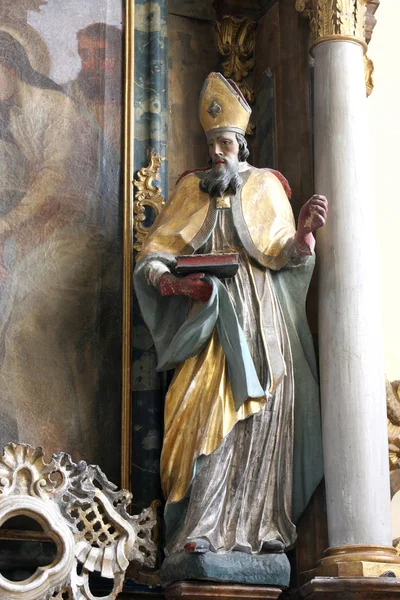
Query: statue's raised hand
{"type": "Point", "coordinates": [192, 285]}
{"type": "Point", "coordinates": [312, 216]}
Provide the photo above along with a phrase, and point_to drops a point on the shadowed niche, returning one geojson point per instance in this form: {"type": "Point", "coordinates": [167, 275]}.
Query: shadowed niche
{"type": "Point", "coordinates": [24, 547]}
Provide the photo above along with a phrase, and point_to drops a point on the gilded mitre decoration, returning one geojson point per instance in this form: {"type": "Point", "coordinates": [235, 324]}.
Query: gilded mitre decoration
{"type": "Point", "coordinates": [223, 106]}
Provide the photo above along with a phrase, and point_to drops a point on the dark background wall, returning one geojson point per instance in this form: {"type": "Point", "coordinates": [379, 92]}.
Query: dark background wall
{"type": "Point", "coordinates": [192, 56]}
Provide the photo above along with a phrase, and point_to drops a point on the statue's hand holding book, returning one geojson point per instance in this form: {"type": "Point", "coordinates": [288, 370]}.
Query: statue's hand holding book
{"type": "Point", "coordinates": [221, 265]}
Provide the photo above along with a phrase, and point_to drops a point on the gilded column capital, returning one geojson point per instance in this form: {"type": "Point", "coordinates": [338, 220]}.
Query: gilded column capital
{"type": "Point", "coordinates": [335, 20]}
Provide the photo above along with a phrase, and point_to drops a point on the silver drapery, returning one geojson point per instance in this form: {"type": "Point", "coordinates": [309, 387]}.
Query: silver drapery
{"type": "Point", "coordinates": [240, 497]}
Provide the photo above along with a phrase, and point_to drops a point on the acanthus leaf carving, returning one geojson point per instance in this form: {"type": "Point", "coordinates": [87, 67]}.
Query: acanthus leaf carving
{"type": "Point", "coordinates": [332, 19]}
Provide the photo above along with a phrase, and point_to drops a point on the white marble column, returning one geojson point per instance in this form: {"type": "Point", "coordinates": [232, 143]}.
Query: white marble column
{"type": "Point", "coordinates": [350, 344]}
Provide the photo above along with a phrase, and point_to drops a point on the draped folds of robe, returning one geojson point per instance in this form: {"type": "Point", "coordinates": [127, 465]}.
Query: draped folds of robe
{"type": "Point", "coordinates": [226, 468]}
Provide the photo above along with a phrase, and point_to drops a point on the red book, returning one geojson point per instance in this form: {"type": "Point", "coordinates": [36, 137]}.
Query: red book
{"type": "Point", "coordinates": [220, 265]}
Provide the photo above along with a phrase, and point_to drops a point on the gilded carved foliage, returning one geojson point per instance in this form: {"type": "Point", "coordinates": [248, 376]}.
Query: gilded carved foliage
{"type": "Point", "coordinates": [85, 516]}
{"type": "Point", "coordinates": [368, 73]}
{"type": "Point", "coordinates": [393, 416]}
{"type": "Point", "coordinates": [236, 42]}
{"type": "Point", "coordinates": [393, 420]}
{"type": "Point", "coordinates": [148, 195]}
{"type": "Point", "coordinates": [333, 18]}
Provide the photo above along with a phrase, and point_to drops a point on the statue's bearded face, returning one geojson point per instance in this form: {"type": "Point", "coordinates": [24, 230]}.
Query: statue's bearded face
{"type": "Point", "coordinates": [224, 153]}
{"type": "Point", "coordinates": [224, 150]}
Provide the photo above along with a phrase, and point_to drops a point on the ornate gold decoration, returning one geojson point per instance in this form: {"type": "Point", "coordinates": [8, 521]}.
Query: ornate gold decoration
{"type": "Point", "coordinates": [368, 71]}
{"type": "Point", "coordinates": [236, 41]}
{"type": "Point", "coordinates": [335, 20]}
{"type": "Point", "coordinates": [148, 194]}
{"type": "Point", "coordinates": [81, 511]}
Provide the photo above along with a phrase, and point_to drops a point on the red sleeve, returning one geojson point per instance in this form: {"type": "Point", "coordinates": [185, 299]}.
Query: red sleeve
{"type": "Point", "coordinates": [283, 181]}
{"type": "Point", "coordinates": [182, 175]}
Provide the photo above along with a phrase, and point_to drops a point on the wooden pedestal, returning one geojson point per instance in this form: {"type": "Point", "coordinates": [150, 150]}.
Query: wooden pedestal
{"type": "Point", "coordinates": [366, 588]}
{"type": "Point", "coordinates": [202, 590]}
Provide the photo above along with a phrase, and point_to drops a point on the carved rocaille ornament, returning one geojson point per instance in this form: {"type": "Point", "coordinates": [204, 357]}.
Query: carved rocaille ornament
{"type": "Point", "coordinates": [147, 195]}
{"type": "Point", "coordinates": [335, 19]}
{"type": "Point", "coordinates": [85, 516]}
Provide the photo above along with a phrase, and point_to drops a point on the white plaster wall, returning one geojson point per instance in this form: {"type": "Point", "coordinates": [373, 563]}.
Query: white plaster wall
{"type": "Point", "coordinates": [384, 118]}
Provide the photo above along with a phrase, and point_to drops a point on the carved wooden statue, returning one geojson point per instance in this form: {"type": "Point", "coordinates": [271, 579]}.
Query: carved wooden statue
{"type": "Point", "coordinates": [242, 424]}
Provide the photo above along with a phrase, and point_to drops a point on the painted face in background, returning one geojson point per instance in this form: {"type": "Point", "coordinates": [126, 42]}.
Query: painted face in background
{"type": "Point", "coordinates": [101, 66]}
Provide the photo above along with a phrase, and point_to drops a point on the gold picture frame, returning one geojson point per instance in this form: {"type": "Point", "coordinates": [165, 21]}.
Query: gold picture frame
{"type": "Point", "coordinates": [126, 431]}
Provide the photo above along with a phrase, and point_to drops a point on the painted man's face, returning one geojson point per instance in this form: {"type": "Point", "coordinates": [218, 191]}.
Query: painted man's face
{"type": "Point", "coordinates": [224, 150]}
{"type": "Point", "coordinates": [100, 66]}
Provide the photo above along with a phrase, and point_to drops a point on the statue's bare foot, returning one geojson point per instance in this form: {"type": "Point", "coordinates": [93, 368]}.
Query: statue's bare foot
{"type": "Point", "coordinates": [197, 546]}
{"type": "Point", "coordinates": [273, 547]}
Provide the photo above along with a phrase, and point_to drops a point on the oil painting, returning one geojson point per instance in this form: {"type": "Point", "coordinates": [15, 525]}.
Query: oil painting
{"type": "Point", "coordinates": [61, 229]}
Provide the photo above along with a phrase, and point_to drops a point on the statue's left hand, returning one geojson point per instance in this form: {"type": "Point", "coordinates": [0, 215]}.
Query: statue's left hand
{"type": "Point", "coordinates": [312, 216]}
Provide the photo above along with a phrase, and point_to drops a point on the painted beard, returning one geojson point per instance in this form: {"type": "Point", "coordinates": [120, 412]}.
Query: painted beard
{"type": "Point", "coordinates": [216, 181]}
{"type": "Point", "coordinates": [94, 85]}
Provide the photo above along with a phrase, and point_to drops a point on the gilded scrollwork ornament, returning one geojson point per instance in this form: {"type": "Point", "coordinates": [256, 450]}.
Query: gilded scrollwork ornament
{"type": "Point", "coordinates": [149, 195]}
{"type": "Point", "coordinates": [335, 19]}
